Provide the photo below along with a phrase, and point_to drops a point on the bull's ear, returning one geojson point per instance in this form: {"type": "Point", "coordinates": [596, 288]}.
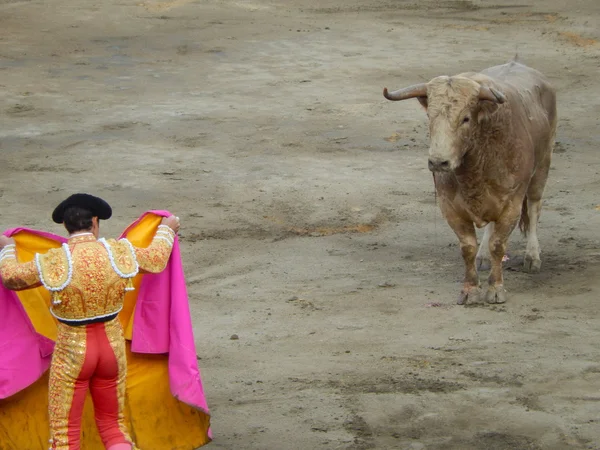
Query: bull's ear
{"type": "Point", "coordinates": [423, 102]}
{"type": "Point", "coordinates": [485, 110]}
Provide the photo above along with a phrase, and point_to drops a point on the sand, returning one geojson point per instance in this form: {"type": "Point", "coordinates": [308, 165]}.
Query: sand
{"type": "Point", "coordinates": [309, 223]}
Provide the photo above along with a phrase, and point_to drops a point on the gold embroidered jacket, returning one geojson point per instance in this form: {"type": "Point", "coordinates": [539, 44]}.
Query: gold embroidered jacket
{"type": "Point", "coordinates": [87, 278]}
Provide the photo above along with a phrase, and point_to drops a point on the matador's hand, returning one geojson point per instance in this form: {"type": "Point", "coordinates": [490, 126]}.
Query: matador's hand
{"type": "Point", "coordinates": [4, 241]}
{"type": "Point", "coordinates": [172, 222]}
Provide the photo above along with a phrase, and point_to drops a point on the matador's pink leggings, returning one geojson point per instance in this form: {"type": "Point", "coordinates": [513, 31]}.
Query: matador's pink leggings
{"type": "Point", "coordinates": [88, 357]}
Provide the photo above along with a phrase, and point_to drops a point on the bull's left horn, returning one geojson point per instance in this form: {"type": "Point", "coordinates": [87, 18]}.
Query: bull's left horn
{"type": "Point", "coordinates": [491, 94]}
{"type": "Point", "coordinates": [417, 90]}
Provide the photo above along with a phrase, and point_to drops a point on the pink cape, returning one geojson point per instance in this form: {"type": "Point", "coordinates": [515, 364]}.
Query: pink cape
{"type": "Point", "coordinates": [162, 324]}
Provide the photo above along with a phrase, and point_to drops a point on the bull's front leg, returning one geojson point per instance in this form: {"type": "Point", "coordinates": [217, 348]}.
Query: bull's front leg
{"type": "Point", "coordinates": [465, 231]}
{"type": "Point", "coordinates": [471, 292]}
{"type": "Point", "coordinates": [498, 240]}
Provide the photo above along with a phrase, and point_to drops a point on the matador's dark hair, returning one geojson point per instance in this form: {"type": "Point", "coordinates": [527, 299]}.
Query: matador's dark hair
{"type": "Point", "coordinates": [77, 219]}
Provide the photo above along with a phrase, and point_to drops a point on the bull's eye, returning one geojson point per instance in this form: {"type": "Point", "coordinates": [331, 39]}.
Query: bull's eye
{"type": "Point", "coordinates": [466, 120]}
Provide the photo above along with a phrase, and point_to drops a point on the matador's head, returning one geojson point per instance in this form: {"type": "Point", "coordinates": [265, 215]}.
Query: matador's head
{"type": "Point", "coordinates": [81, 213]}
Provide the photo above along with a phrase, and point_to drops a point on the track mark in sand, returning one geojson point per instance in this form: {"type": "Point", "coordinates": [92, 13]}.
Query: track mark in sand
{"type": "Point", "coordinates": [250, 6]}
{"type": "Point", "coordinates": [577, 40]}
{"type": "Point", "coordinates": [248, 232]}
{"type": "Point", "coordinates": [328, 231]}
{"type": "Point", "coordinates": [164, 6]}
{"type": "Point", "coordinates": [63, 169]}
{"type": "Point", "coordinates": [493, 440]}
{"type": "Point", "coordinates": [468, 27]}
{"type": "Point", "coordinates": [118, 126]}
{"type": "Point", "coordinates": [551, 18]}
{"type": "Point", "coordinates": [20, 109]}
{"type": "Point", "coordinates": [502, 19]}
{"type": "Point", "coordinates": [496, 379]}
{"type": "Point", "coordinates": [317, 231]}
{"type": "Point", "coordinates": [530, 402]}
{"type": "Point", "coordinates": [304, 304]}
{"type": "Point", "coordinates": [252, 231]}
{"type": "Point", "coordinates": [363, 434]}
{"type": "Point", "coordinates": [74, 144]}
{"type": "Point", "coordinates": [393, 138]}
{"type": "Point", "coordinates": [461, 5]}
{"type": "Point", "coordinates": [168, 5]}
{"type": "Point", "coordinates": [501, 441]}
{"type": "Point", "coordinates": [409, 383]}
{"type": "Point", "coordinates": [192, 141]}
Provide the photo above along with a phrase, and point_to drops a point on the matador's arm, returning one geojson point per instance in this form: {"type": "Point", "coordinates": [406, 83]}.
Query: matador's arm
{"type": "Point", "coordinates": [154, 258]}
{"type": "Point", "coordinates": [15, 276]}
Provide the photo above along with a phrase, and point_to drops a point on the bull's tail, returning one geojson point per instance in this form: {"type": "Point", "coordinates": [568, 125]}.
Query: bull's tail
{"type": "Point", "coordinates": [524, 221]}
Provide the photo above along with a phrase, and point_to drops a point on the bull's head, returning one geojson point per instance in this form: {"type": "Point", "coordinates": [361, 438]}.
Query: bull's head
{"type": "Point", "coordinates": [454, 105]}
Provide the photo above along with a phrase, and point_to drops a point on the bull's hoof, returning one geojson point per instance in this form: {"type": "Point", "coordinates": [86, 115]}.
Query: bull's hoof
{"type": "Point", "coordinates": [495, 294]}
{"type": "Point", "coordinates": [470, 296]}
{"type": "Point", "coordinates": [532, 264]}
{"type": "Point", "coordinates": [483, 263]}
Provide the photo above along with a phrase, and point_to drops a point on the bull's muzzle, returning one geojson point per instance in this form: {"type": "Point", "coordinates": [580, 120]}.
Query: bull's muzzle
{"type": "Point", "coordinates": [438, 164]}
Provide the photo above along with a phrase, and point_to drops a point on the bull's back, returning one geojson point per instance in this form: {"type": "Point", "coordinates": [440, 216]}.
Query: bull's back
{"type": "Point", "coordinates": [518, 75]}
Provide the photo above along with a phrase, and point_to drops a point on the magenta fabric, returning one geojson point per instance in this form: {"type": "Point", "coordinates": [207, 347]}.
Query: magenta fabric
{"type": "Point", "coordinates": [24, 354]}
{"type": "Point", "coordinates": [162, 324]}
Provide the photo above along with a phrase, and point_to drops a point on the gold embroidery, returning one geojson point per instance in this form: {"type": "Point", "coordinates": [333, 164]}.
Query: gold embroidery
{"type": "Point", "coordinates": [17, 276]}
{"type": "Point", "coordinates": [123, 257]}
{"type": "Point", "coordinates": [67, 360]}
{"type": "Point", "coordinates": [95, 289]}
{"type": "Point", "coordinates": [54, 268]}
{"type": "Point", "coordinates": [155, 257]}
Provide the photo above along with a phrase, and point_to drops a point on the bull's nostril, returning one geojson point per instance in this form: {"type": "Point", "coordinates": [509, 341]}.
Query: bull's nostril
{"type": "Point", "coordinates": [437, 165]}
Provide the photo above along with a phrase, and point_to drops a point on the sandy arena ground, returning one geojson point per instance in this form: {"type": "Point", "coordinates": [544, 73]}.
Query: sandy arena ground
{"type": "Point", "coordinates": [309, 223]}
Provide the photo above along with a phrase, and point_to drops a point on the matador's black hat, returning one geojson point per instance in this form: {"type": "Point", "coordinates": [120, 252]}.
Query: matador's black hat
{"type": "Point", "coordinates": [98, 207]}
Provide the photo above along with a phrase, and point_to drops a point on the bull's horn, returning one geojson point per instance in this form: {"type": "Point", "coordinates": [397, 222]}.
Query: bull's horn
{"type": "Point", "coordinates": [417, 90]}
{"type": "Point", "coordinates": [491, 94]}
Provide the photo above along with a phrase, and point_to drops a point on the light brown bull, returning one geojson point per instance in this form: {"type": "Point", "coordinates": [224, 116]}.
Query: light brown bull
{"type": "Point", "coordinates": [491, 140]}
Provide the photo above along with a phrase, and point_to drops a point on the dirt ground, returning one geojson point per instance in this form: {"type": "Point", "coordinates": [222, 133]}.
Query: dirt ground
{"type": "Point", "coordinates": [309, 223]}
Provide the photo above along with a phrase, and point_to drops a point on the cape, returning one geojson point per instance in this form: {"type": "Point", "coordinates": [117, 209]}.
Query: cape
{"type": "Point", "coordinates": [165, 404]}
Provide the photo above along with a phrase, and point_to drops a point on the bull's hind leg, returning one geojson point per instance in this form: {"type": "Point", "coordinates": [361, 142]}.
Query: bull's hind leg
{"type": "Point", "coordinates": [532, 262]}
{"type": "Point", "coordinates": [483, 254]}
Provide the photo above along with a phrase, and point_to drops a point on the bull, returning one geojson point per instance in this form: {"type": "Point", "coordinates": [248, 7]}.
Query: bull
{"type": "Point", "coordinates": [491, 143]}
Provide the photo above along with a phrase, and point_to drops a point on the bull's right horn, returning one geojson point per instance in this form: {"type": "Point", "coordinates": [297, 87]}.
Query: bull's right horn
{"type": "Point", "coordinates": [491, 94]}
{"type": "Point", "coordinates": [417, 90]}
